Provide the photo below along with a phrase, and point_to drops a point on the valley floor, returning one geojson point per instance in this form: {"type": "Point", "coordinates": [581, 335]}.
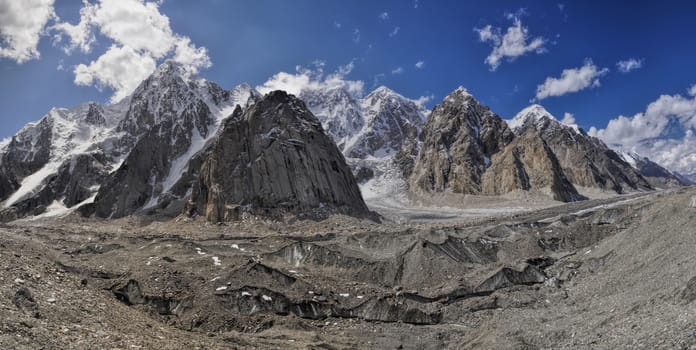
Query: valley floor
{"type": "Point", "coordinates": [600, 274]}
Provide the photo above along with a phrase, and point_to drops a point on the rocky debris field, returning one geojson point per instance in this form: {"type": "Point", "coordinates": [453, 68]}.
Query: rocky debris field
{"type": "Point", "coordinates": [600, 274]}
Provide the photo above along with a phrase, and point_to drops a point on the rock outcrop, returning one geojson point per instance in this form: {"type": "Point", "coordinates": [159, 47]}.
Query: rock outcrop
{"type": "Point", "coordinates": [528, 164]}
{"type": "Point", "coordinates": [271, 160]}
{"type": "Point", "coordinates": [171, 118]}
{"type": "Point", "coordinates": [656, 175]}
{"type": "Point", "coordinates": [459, 140]}
{"type": "Point", "coordinates": [586, 161]}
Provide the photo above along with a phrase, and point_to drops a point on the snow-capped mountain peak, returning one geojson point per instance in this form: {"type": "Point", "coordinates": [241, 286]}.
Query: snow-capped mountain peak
{"type": "Point", "coordinates": [173, 113]}
{"type": "Point", "coordinates": [460, 90]}
{"type": "Point", "coordinates": [535, 114]}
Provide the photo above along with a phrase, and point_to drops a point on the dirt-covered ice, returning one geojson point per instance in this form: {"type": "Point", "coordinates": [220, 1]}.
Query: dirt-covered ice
{"type": "Point", "coordinates": [600, 274]}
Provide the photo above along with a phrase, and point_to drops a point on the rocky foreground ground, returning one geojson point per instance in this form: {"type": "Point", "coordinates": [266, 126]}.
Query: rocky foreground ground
{"type": "Point", "coordinates": [600, 274]}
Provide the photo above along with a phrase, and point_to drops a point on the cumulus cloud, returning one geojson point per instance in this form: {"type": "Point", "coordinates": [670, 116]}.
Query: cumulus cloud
{"type": "Point", "coordinates": [394, 32]}
{"type": "Point", "coordinates": [629, 65]}
{"type": "Point", "coordinates": [21, 26]}
{"type": "Point", "coordinates": [514, 43]}
{"type": "Point", "coordinates": [313, 78]}
{"type": "Point", "coordinates": [120, 68]}
{"type": "Point", "coordinates": [141, 37]}
{"type": "Point", "coordinates": [571, 80]}
{"type": "Point", "coordinates": [397, 70]}
{"type": "Point", "coordinates": [664, 132]}
{"type": "Point", "coordinates": [337, 24]}
{"type": "Point", "coordinates": [421, 101]}
{"type": "Point", "coordinates": [384, 16]}
{"type": "Point", "coordinates": [420, 64]}
{"type": "Point", "coordinates": [568, 119]}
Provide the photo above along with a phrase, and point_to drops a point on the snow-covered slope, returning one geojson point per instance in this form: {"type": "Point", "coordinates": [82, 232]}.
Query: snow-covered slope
{"type": "Point", "coordinates": [40, 149]}
{"type": "Point", "coordinates": [372, 126]}
{"type": "Point", "coordinates": [658, 176]}
{"type": "Point", "coordinates": [65, 158]}
{"type": "Point", "coordinates": [389, 120]}
{"type": "Point", "coordinates": [369, 131]}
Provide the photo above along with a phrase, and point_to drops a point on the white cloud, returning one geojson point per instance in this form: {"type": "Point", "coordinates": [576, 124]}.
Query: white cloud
{"type": "Point", "coordinates": [571, 80]}
{"type": "Point", "coordinates": [397, 70]}
{"type": "Point", "coordinates": [312, 79]}
{"type": "Point", "coordinates": [141, 37]}
{"type": "Point", "coordinates": [22, 24]}
{"type": "Point", "coordinates": [384, 16]}
{"type": "Point", "coordinates": [421, 101]}
{"type": "Point", "coordinates": [652, 133]}
{"type": "Point", "coordinates": [356, 35]}
{"type": "Point", "coordinates": [568, 119]}
{"type": "Point", "coordinates": [514, 43]}
{"type": "Point", "coordinates": [629, 65]}
{"type": "Point", "coordinates": [395, 31]}
{"type": "Point", "coordinates": [120, 68]}
{"type": "Point", "coordinates": [420, 64]}
{"type": "Point", "coordinates": [415, 4]}
{"type": "Point", "coordinates": [337, 24]}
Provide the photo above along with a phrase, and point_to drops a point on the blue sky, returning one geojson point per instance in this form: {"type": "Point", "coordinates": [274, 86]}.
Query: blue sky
{"type": "Point", "coordinates": [250, 41]}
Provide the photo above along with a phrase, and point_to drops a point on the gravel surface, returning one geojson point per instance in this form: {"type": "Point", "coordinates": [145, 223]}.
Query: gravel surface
{"type": "Point", "coordinates": [601, 274]}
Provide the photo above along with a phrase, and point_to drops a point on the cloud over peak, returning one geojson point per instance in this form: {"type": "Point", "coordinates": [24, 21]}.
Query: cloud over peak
{"type": "Point", "coordinates": [514, 43]}
{"type": "Point", "coordinates": [313, 78]}
{"type": "Point", "coordinates": [141, 36]}
{"type": "Point", "coordinates": [571, 80]}
{"type": "Point", "coordinates": [664, 132]}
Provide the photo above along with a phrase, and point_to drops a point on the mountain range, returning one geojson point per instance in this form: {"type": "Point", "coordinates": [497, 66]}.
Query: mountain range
{"type": "Point", "coordinates": [180, 143]}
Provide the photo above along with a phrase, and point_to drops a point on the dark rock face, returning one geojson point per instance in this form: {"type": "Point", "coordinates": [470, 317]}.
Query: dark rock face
{"type": "Point", "coordinates": [468, 149]}
{"type": "Point", "coordinates": [8, 184]}
{"type": "Point", "coordinates": [95, 114]}
{"type": "Point", "coordinates": [274, 159]}
{"type": "Point", "coordinates": [149, 162]}
{"type": "Point", "coordinates": [29, 150]}
{"type": "Point", "coordinates": [167, 129]}
{"type": "Point", "coordinates": [508, 277]}
{"type": "Point", "coordinates": [586, 161]}
{"type": "Point", "coordinates": [656, 175]}
{"type": "Point", "coordinates": [525, 164]}
{"type": "Point", "coordinates": [26, 153]}
{"type": "Point", "coordinates": [458, 141]}
{"type": "Point", "coordinates": [73, 183]}
{"type": "Point", "coordinates": [363, 174]}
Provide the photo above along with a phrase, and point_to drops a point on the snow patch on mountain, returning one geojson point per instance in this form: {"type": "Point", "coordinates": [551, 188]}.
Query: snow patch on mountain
{"type": "Point", "coordinates": [240, 96]}
{"type": "Point", "coordinates": [532, 114]}
{"type": "Point", "coordinates": [70, 134]}
{"type": "Point", "coordinates": [3, 144]}
{"type": "Point", "coordinates": [630, 158]}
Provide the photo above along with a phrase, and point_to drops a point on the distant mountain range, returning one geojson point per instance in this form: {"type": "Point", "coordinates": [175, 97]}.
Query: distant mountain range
{"type": "Point", "coordinates": [168, 147]}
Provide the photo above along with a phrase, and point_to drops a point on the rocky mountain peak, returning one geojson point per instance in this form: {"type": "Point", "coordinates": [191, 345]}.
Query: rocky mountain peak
{"type": "Point", "coordinates": [534, 115]}
{"type": "Point", "coordinates": [274, 160]}
{"type": "Point", "coordinates": [586, 161]}
{"type": "Point", "coordinates": [459, 139]}
{"type": "Point", "coordinates": [382, 91]}
{"type": "Point", "coordinates": [169, 69]}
